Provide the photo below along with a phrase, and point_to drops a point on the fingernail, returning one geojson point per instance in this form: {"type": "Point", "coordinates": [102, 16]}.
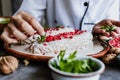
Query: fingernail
{"type": "Point", "coordinates": [43, 33]}
{"type": "Point", "coordinates": [15, 41]}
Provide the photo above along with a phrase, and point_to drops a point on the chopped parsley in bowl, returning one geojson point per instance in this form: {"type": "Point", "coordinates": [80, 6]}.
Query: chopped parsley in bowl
{"type": "Point", "coordinates": [75, 67]}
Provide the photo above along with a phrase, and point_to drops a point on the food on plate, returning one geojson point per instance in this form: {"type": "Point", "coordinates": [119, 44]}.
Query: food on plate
{"type": "Point", "coordinates": [57, 39]}
{"type": "Point", "coordinates": [8, 64]}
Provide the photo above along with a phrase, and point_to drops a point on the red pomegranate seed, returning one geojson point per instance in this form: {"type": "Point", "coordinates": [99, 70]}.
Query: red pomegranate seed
{"type": "Point", "coordinates": [115, 42]}
{"type": "Point", "coordinates": [45, 44]}
{"type": "Point", "coordinates": [64, 35]}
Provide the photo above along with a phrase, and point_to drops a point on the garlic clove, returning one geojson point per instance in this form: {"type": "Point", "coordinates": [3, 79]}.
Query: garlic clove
{"type": "Point", "coordinates": [108, 58]}
{"type": "Point", "coordinates": [117, 51]}
{"type": "Point", "coordinates": [113, 49]}
{"type": "Point", "coordinates": [8, 64]}
{"type": "Point", "coordinates": [5, 70]}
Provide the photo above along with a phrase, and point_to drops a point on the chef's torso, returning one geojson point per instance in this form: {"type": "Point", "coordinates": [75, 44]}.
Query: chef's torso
{"type": "Point", "coordinates": [79, 14]}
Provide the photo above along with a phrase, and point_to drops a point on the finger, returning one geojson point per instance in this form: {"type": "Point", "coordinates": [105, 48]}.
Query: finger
{"type": "Point", "coordinates": [100, 31]}
{"type": "Point", "coordinates": [116, 23]}
{"type": "Point", "coordinates": [6, 38]}
{"type": "Point", "coordinates": [117, 30]}
{"type": "Point", "coordinates": [113, 34]}
{"type": "Point", "coordinates": [107, 34]}
{"type": "Point", "coordinates": [105, 22]}
{"type": "Point", "coordinates": [96, 27]}
{"type": "Point", "coordinates": [16, 33]}
{"type": "Point", "coordinates": [108, 22]}
{"type": "Point", "coordinates": [103, 32]}
{"type": "Point", "coordinates": [32, 21]}
{"type": "Point", "coordinates": [24, 26]}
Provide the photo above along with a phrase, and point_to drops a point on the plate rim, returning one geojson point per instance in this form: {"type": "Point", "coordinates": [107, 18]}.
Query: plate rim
{"type": "Point", "coordinates": [46, 58]}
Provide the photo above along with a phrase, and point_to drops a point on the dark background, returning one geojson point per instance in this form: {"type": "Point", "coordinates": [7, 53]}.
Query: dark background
{"type": "Point", "coordinates": [0, 9]}
{"type": "Point", "coordinates": [15, 4]}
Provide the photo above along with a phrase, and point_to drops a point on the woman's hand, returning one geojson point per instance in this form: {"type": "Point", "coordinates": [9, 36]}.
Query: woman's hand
{"type": "Point", "coordinates": [22, 25]}
{"type": "Point", "coordinates": [97, 28]}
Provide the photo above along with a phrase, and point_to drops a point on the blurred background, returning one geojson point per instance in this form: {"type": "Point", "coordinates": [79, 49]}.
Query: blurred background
{"type": "Point", "coordinates": [9, 7]}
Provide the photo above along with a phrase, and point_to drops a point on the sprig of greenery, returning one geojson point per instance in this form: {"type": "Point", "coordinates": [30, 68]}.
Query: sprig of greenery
{"type": "Point", "coordinates": [4, 20]}
{"type": "Point", "coordinates": [41, 39]}
{"type": "Point", "coordinates": [73, 65]}
{"type": "Point", "coordinates": [108, 28]}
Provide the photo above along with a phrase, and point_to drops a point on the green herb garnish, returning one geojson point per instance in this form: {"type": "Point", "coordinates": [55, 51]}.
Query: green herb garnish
{"type": "Point", "coordinates": [46, 27]}
{"type": "Point", "coordinates": [108, 28]}
{"type": "Point", "coordinates": [4, 20]}
{"type": "Point", "coordinates": [73, 65]}
{"type": "Point", "coordinates": [57, 26]}
{"type": "Point", "coordinates": [41, 39]}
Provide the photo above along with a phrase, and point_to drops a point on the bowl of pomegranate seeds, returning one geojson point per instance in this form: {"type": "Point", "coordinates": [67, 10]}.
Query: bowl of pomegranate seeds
{"type": "Point", "coordinates": [115, 45]}
{"type": "Point", "coordinates": [115, 42]}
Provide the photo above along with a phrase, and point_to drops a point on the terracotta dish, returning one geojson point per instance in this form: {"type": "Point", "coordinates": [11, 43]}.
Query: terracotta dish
{"type": "Point", "coordinates": [34, 57]}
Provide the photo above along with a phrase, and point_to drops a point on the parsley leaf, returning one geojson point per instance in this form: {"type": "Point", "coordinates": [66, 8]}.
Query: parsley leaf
{"type": "Point", "coordinates": [73, 65]}
{"type": "Point", "coordinates": [108, 28]}
{"type": "Point", "coordinates": [41, 39]}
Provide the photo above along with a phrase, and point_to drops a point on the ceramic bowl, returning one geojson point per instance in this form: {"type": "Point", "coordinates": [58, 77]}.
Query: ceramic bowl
{"type": "Point", "coordinates": [61, 75]}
